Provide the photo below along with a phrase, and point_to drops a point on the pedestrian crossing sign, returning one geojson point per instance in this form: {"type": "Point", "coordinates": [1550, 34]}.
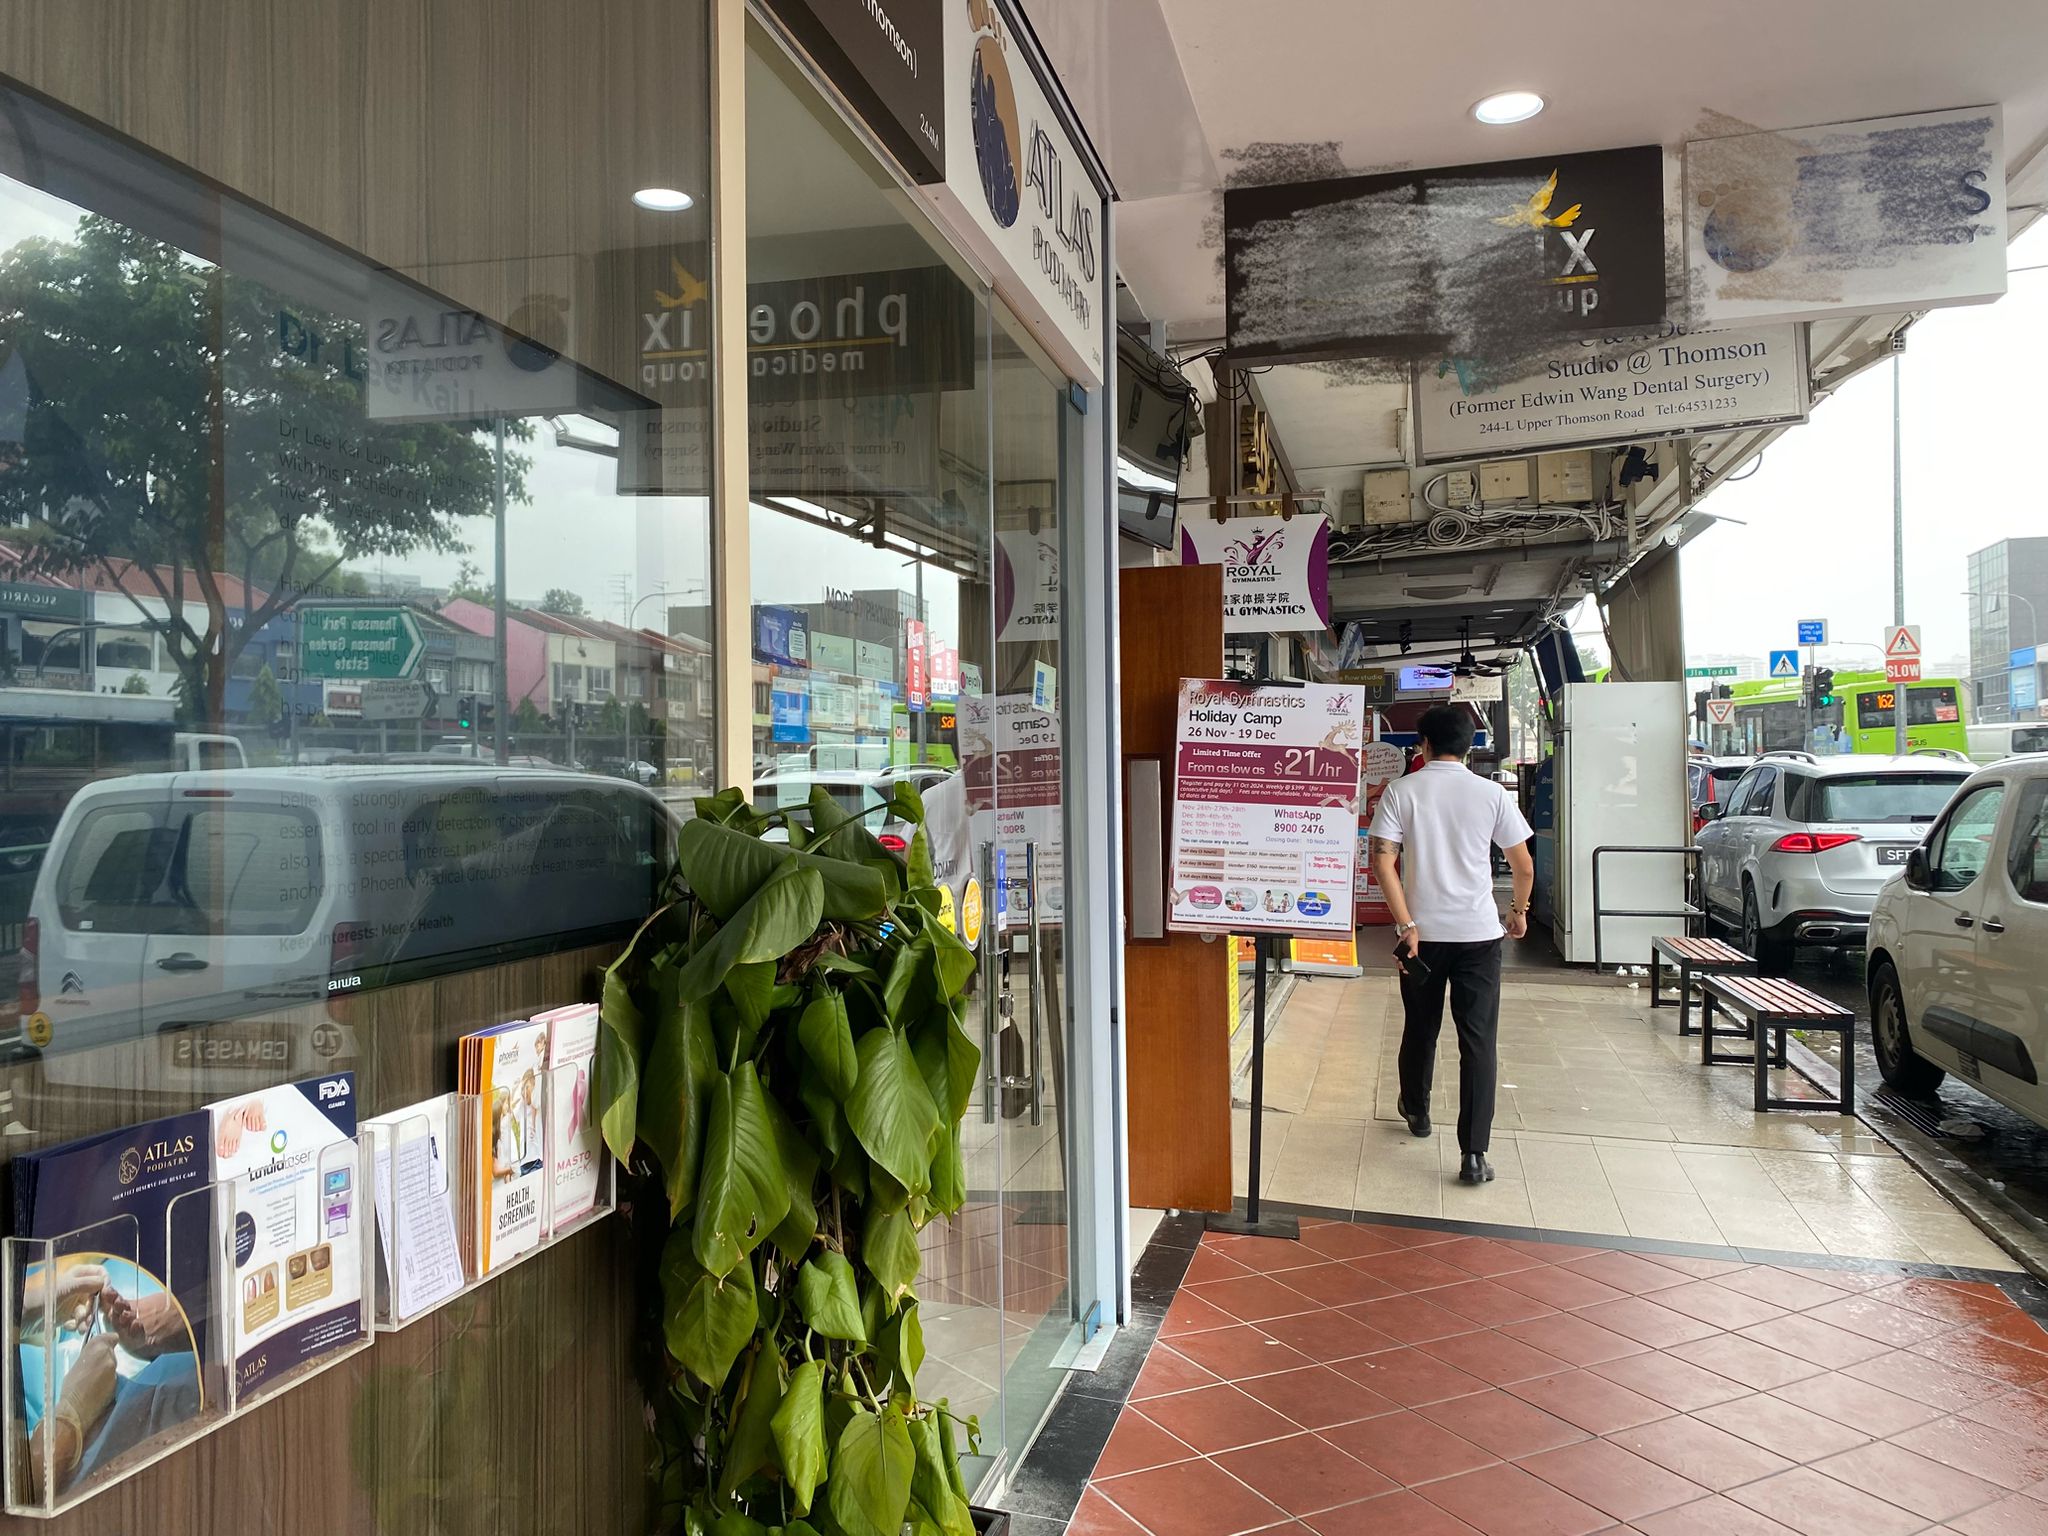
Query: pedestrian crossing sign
{"type": "Point", "coordinates": [1784, 663]}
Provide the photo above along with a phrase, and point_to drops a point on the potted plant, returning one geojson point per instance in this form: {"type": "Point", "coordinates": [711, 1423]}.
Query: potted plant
{"type": "Point", "coordinates": [783, 1068]}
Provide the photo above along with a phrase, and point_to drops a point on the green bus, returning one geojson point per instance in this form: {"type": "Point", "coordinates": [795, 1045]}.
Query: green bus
{"type": "Point", "coordinates": [1862, 717]}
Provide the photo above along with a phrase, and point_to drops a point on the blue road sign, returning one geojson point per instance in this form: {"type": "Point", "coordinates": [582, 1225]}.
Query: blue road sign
{"type": "Point", "coordinates": [1784, 663]}
{"type": "Point", "coordinates": [1813, 631]}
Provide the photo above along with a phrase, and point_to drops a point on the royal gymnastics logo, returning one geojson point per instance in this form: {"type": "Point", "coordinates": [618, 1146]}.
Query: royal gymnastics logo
{"type": "Point", "coordinates": [992, 107]}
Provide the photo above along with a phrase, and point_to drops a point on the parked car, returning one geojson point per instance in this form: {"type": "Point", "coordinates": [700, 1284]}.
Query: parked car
{"type": "Point", "coordinates": [2007, 738]}
{"type": "Point", "coordinates": [1798, 851]}
{"type": "Point", "coordinates": [1956, 970]}
{"type": "Point", "coordinates": [1708, 780]}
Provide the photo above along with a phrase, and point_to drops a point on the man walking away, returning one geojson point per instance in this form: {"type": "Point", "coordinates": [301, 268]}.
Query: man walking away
{"type": "Point", "coordinates": [1432, 843]}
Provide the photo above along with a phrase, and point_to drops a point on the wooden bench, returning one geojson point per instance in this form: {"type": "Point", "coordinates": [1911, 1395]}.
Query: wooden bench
{"type": "Point", "coordinates": [1766, 1005]}
{"type": "Point", "coordinates": [1693, 957]}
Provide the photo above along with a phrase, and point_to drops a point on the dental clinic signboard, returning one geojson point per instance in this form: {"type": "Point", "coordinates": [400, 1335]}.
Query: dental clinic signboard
{"type": "Point", "coordinates": [1017, 187]}
{"type": "Point", "coordinates": [1610, 389]}
{"type": "Point", "coordinates": [1265, 808]}
{"type": "Point", "coordinates": [1276, 570]}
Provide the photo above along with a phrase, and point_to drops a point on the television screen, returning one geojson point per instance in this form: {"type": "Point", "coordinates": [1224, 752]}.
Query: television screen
{"type": "Point", "coordinates": [1425, 680]}
{"type": "Point", "coordinates": [1155, 423]}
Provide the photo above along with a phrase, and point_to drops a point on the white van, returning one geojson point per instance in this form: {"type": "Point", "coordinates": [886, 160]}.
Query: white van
{"type": "Point", "coordinates": [175, 899]}
{"type": "Point", "coordinates": [2007, 738]}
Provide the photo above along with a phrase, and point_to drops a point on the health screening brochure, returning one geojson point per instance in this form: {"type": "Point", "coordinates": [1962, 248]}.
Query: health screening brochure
{"type": "Point", "coordinates": [1265, 815]}
{"type": "Point", "coordinates": [507, 1176]}
{"type": "Point", "coordinates": [286, 1162]}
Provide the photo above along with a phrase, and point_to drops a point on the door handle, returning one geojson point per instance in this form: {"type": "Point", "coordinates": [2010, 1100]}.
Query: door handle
{"type": "Point", "coordinates": [1966, 922]}
{"type": "Point", "coordinates": [181, 961]}
{"type": "Point", "coordinates": [989, 984]}
{"type": "Point", "coordinates": [1037, 978]}
{"type": "Point", "coordinates": [1993, 925]}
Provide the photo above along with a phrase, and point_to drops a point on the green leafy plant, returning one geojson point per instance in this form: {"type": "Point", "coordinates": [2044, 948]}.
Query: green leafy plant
{"type": "Point", "coordinates": [783, 1068]}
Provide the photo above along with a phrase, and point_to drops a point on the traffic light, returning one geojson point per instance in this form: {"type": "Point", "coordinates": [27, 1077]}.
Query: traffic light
{"type": "Point", "coordinates": [1823, 687]}
{"type": "Point", "coordinates": [1699, 705]}
{"type": "Point", "coordinates": [465, 711]}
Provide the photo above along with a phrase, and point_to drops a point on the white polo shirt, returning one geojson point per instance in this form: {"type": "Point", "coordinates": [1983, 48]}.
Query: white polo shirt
{"type": "Point", "coordinates": [1447, 820]}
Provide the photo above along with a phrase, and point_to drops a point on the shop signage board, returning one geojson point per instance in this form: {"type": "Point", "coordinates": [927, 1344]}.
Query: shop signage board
{"type": "Point", "coordinates": [789, 710]}
{"type": "Point", "coordinates": [1265, 818]}
{"type": "Point", "coordinates": [359, 643]}
{"type": "Point", "coordinates": [2025, 656]}
{"type": "Point", "coordinates": [1276, 570]}
{"type": "Point", "coordinates": [780, 636]}
{"type": "Point", "coordinates": [916, 682]}
{"type": "Point", "coordinates": [872, 660]}
{"type": "Point", "coordinates": [1870, 217]}
{"type": "Point", "coordinates": [832, 653]}
{"type": "Point", "coordinates": [1018, 189]}
{"type": "Point", "coordinates": [886, 56]}
{"type": "Point", "coordinates": [1612, 389]}
{"type": "Point", "coordinates": [29, 600]}
{"type": "Point", "coordinates": [396, 698]}
{"type": "Point", "coordinates": [2025, 686]}
{"type": "Point", "coordinates": [426, 359]}
{"type": "Point", "coordinates": [1486, 260]}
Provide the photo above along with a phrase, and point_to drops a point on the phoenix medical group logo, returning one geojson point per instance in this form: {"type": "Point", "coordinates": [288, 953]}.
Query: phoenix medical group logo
{"type": "Point", "coordinates": [1567, 244]}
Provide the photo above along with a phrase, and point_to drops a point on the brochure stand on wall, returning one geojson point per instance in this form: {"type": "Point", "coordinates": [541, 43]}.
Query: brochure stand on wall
{"type": "Point", "coordinates": [468, 1185]}
{"type": "Point", "coordinates": [115, 1366]}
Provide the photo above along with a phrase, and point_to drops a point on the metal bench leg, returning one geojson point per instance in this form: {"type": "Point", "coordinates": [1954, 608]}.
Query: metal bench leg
{"type": "Point", "coordinates": [1780, 1060]}
{"type": "Point", "coordinates": [1684, 1000]}
{"type": "Point", "coordinates": [1849, 1070]}
{"type": "Point", "coordinates": [1762, 1056]}
{"type": "Point", "coordinates": [1656, 972]}
{"type": "Point", "coordinates": [1707, 1030]}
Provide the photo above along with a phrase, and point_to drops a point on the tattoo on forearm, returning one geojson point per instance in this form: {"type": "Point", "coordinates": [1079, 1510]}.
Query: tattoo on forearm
{"type": "Point", "coordinates": [1382, 846]}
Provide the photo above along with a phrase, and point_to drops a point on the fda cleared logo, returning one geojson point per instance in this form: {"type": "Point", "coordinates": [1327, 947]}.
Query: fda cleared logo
{"type": "Point", "coordinates": [334, 1088]}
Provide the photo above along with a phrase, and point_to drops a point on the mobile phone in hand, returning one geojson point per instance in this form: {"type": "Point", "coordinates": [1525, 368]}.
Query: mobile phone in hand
{"type": "Point", "coordinates": [1409, 965]}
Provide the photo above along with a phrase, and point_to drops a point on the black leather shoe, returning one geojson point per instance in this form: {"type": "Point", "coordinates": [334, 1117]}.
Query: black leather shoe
{"type": "Point", "coordinates": [1473, 1168]}
{"type": "Point", "coordinates": [1418, 1124]}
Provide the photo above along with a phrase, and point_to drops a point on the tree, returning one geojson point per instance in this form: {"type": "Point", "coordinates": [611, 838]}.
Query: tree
{"type": "Point", "coordinates": [561, 600]}
{"type": "Point", "coordinates": [135, 682]}
{"type": "Point", "coordinates": [526, 719]}
{"type": "Point", "coordinates": [188, 427]}
{"type": "Point", "coordinates": [266, 699]}
{"type": "Point", "coordinates": [469, 583]}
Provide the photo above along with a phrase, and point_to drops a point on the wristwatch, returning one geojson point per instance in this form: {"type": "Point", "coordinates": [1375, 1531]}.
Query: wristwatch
{"type": "Point", "coordinates": [1402, 930]}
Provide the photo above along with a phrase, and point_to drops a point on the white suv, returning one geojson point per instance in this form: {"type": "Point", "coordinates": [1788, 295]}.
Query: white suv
{"type": "Point", "coordinates": [1958, 957]}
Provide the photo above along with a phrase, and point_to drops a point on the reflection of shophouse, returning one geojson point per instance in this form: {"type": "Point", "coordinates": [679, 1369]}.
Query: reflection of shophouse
{"type": "Point", "coordinates": [43, 639]}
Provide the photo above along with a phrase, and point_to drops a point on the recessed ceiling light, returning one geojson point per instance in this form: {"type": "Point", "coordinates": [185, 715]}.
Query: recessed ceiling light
{"type": "Point", "coordinates": [1508, 107]}
{"type": "Point", "coordinates": [669, 200]}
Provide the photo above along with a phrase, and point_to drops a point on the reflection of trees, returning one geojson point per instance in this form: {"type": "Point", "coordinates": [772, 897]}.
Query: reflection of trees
{"type": "Point", "coordinates": [182, 424]}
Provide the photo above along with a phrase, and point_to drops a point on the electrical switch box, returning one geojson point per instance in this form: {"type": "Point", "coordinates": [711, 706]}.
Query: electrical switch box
{"type": "Point", "coordinates": [1387, 498]}
{"type": "Point", "coordinates": [1565, 478]}
{"type": "Point", "coordinates": [1504, 480]}
{"type": "Point", "coordinates": [1461, 488]}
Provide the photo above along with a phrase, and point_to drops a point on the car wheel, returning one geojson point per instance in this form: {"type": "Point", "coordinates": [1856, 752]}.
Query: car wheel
{"type": "Point", "coordinates": [1897, 1062]}
{"type": "Point", "coordinates": [1773, 956]}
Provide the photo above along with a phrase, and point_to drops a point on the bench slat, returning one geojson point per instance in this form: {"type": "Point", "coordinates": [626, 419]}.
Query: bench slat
{"type": "Point", "coordinates": [1771, 995]}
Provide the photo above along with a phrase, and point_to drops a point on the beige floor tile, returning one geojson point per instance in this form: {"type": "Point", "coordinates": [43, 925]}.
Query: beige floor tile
{"type": "Point", "coordinates": [1642, 1165]}
{"type": "Point", "coordinates": [1574, 1206]}
{"type": "Point", "coordinates": [1668, 1216]}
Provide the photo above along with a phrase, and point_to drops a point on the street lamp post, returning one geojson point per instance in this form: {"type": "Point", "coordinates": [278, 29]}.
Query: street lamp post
{"type": "Point", "coordinates": [1990, 601]}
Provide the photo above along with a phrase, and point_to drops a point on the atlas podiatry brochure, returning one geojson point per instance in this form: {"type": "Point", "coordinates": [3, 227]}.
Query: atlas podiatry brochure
{"type": "Point", "coordinates": [131, 1203]}
{"type": "Point", "coordinates": [506, 1180]}
{"type": "Point", "coordinates": [286, 1162]}
{"type": "Point", "coordinates": [575, 1143]}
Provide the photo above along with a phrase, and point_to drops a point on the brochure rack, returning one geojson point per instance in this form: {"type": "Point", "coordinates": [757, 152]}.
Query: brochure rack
{"type": "Point", "coordinates": [431, 1163]}
{"type": "Point", "coordinates": [113, 1367]}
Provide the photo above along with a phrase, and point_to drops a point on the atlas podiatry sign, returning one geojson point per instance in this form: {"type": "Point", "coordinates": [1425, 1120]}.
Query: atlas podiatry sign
{"type": "Point", "coordinates": [1265, 808]}
{"type": "Point", "coordinates": [1276, 570]}
{"type": "Point", "coordinates": [1612, 389]}
{"type": "Point", "coordinates": [886, 56]}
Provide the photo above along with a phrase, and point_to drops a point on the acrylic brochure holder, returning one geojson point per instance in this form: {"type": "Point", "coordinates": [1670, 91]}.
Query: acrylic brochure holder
{"type": "Point", "coordinates": [468, 1185]}
{"type": "Point", "coordinates": [114, 1366]}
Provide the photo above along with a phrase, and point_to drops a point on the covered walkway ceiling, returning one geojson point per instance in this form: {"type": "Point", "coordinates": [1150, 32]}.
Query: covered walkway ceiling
{"type": "Point", "coordinates": [1203, 94]}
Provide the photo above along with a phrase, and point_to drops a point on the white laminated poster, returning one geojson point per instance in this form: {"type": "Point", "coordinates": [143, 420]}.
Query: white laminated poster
{"type": "Point", "coordinates": [415, 1205]}
{"type": "Point", "coordinates": [286, 1162]}
{"type": "Point", "coordinates": [575, 1143]}
{"type": "Point", "coordinates": [1265, 811]}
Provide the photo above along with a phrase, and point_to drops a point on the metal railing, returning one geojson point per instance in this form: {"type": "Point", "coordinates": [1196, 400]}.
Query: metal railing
{"type": "Point", "coordinates": [1692, 910]}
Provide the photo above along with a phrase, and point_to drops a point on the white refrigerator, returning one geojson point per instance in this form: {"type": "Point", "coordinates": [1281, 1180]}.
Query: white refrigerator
{"type": "Point", "coordinates": [1620, 783]}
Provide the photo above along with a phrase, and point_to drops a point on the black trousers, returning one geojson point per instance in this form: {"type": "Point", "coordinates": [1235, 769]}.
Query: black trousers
{"type": "Point", "coordinates": [1471, 974]}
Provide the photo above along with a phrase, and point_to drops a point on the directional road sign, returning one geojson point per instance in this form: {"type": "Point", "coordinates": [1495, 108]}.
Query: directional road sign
{"type": "Point", "coordinates": [1710, 671]}
{"type": "Point", "coordinates": [396, 698]}
{"type": "Point", "coordinates": [1784, 663]}
{"type": "Point", "coordinates": [1720, 711]}
{"type": "Point", "coordinates": [359, 643]}
{"type": "Point", "coordinates": [1813, 631]}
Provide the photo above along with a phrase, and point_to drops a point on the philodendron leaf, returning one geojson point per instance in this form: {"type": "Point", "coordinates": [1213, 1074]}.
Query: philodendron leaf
{"type": "Point", "coordinates": [953, 961]}
{"type": "Point", "coordinates": [949, 1062]}
{"type": "Point", "coordinates": [792, 1236]}
{"type": "Point", "coordinates": [675, 1100]}
{"type": "Point", "coordinates": [752, 990]}
{"type": "Point", "coordinates": [829, 1298]}
{"type": "Point", "coordinates": [900, 1347]}
{"type": "Point", "coordinates": [905, 972]}
{"type": "Point", "coordinates": [949, 1173]}
{"type": "Point", "coordinates": [751, 1445]}
{"type": "Point", "coordinates": [931, 1482]}
{"type": "Point", "coordinates": [744, 1193]}
{"type": "Point", "coordinates": [906, 802]}
{"type": "Point", "coordinates": [799, 1430]}
{"type": "Point", "coordinates": [708, 1318]}
{"type": "Point", "coordinates": [620, 1045]}
{"type": "Point", "coordinates": [827, 1038]}
{"type": "Point", "coordinates": [869, 1490]}
{"type": "Point", "coordinates": [890, 1109]}
{"type": "Point", "coordinates": [919, 864]}
{"type": "Point", "coordinates": [734, 1523]}
{"type": "Point", "coordinates": [777, 918]}
{"type": "Point", "coordinates": [827, 814]}
{"type": "Point", "coordinates": [888, 1247]}
{"type": "Point", "coordinates": [725, 867]}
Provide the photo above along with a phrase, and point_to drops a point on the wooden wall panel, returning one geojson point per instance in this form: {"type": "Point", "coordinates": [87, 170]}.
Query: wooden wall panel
{"type": "Point", "coordinates": [318, 65]}
{"type": "Point", "coordinates": [1177, 997]}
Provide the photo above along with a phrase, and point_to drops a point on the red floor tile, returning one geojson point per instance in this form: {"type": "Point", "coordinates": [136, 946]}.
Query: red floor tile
{"type": "Point", "coordinates": [1552, 1253]}
{"type": "Point", "coordinates": [1190, 1313]}
{"type": "Point", "coordinates": [1253, 1298]}
{"type": "Point", "coordinates": [1858, 1404]}
{"type": "Point", "coordinates": [1503, 1424]}
{"type": "Point", "coordinates": [1410, 1270]}
{"type": "Point", "coordinates": [1196, 1498]}
{"type": "Point", "coordinates": [1263, 1255]}
{"type": "Point", "coordinates": [1167, 1370]}
{"type": "Point", "coordinates": [1211, 1264]}
{"type": "Point", "coordinates": [2019, 1328]}
{"type": "Point", "coordinates": [1744, 1360]}
{"type": "Point", "coordinates": [1912, 1481]}
{"type": "Point", "coordinates": [1317, 1397]}
{"type": "Point", "coordinates": [1811, 1339]}
{"type": "Point", "coordinates": [1337, 1284]}
{"type": "Point", "coordinates": [2016, 1516]}
{"type": "Point", "coordinates": [2023, 1415]}
{"type": "Point", "coordinates": [1951, 1301]}
{"type": "Point", "coordinates": [1615, 1481]}
{"type": "Point", "coordinates": [1718, 1516]}
{"type": "Point", "coordinates": [1506, 1501]}
{"type": "Point", "coordinates": [1699, 1269]}
{"type": "Point", "coordinates": [1675, 1383]}
{"type": "Point", "coordinates": [1982, 1350]}
{"type": "Point", "coordinates": [1217, 1419]}
{"type": "Point", "coordinates": [1785, 1288]}
{"type": "Point", "coordinates": [1644, 1320]}
{"type": "Point", "coordinates": [1978, 1449]}
{"type": "Point", "coordinates": [1782, 1427]}
{"type": "Point", "coordinates": [1563, 1288]}
{"type": "Point", "coordinates": [1626, 1272]}
{"type": "Point", "coordinates": [1328, 1336]}
{"type": "Point", "coordinates": [1490, 1303]}
{"type": "Point", "coordinates": [1493, 1357]}
{"type": "Point", "coordinates": [1410, 1319]}
{"type": "Point", "coordinates": [1929, 1381]}
{"type": "Point", "coordinates": [1712, 1302]}
{"type": "Point", "coordinates": [1410, 1448]}
{"type": "Point", "coordinates": [1342, 1240]}
{"type": "Point", "coordinates": [1700, 1452]}
{"type": "Point", "coordinates": [1096, 1516]}
{"type": "Point", "coordinates": [1410, 1377]}
{"type": "Point", "coordinates": [1869, 1318]}
{"type": "Point", "coordinates": [1483, 1258]}
{"type": "Point", "coordinates": [1304, 1474]}
{"type": "Point", "coordinates": [1856, 1282]}
{"type": "Point", "coordinates": [1241, 1352]}
{"type": "Point", "coordinates": [1593, 1403]}
{"type": "Point", "coordinates": [1391, 1514]}
{"type": "Point", "coordinates": [1817, 1505]}
{"type": "Point", "coordinates": [1408, 1237]}
{"type": "Point", "coordinates": [1137, 1444]}
{"type": "Point", "coordinates": [1572, 1339]}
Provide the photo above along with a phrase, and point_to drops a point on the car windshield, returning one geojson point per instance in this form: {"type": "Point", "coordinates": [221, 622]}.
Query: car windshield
{"type": "Point", "coordinates": [2033, 739]}
{"type": "Point", "coordinates": [1901, 797]}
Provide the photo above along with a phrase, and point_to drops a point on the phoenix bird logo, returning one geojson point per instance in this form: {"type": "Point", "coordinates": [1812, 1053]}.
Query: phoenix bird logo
{"type": "Point", "coordinates": [1253, 551]}
{"type": "Point", "coordinates": [691, 291]}
{"type": "Point", "coordinates": [1534, 214]}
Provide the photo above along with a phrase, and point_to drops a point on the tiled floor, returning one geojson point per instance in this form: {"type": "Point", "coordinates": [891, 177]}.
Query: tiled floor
{"type": "Point", "coordinates": [1607, 1124]}
{"type": "Point", "coordinates": [1412, 1381]}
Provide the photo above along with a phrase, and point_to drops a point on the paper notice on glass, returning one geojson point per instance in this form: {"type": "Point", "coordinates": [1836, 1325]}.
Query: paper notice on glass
{"type": "Point", "coordinates": [1265, 819]}
{"type": "Point", "coordinates": [415, 1207]}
